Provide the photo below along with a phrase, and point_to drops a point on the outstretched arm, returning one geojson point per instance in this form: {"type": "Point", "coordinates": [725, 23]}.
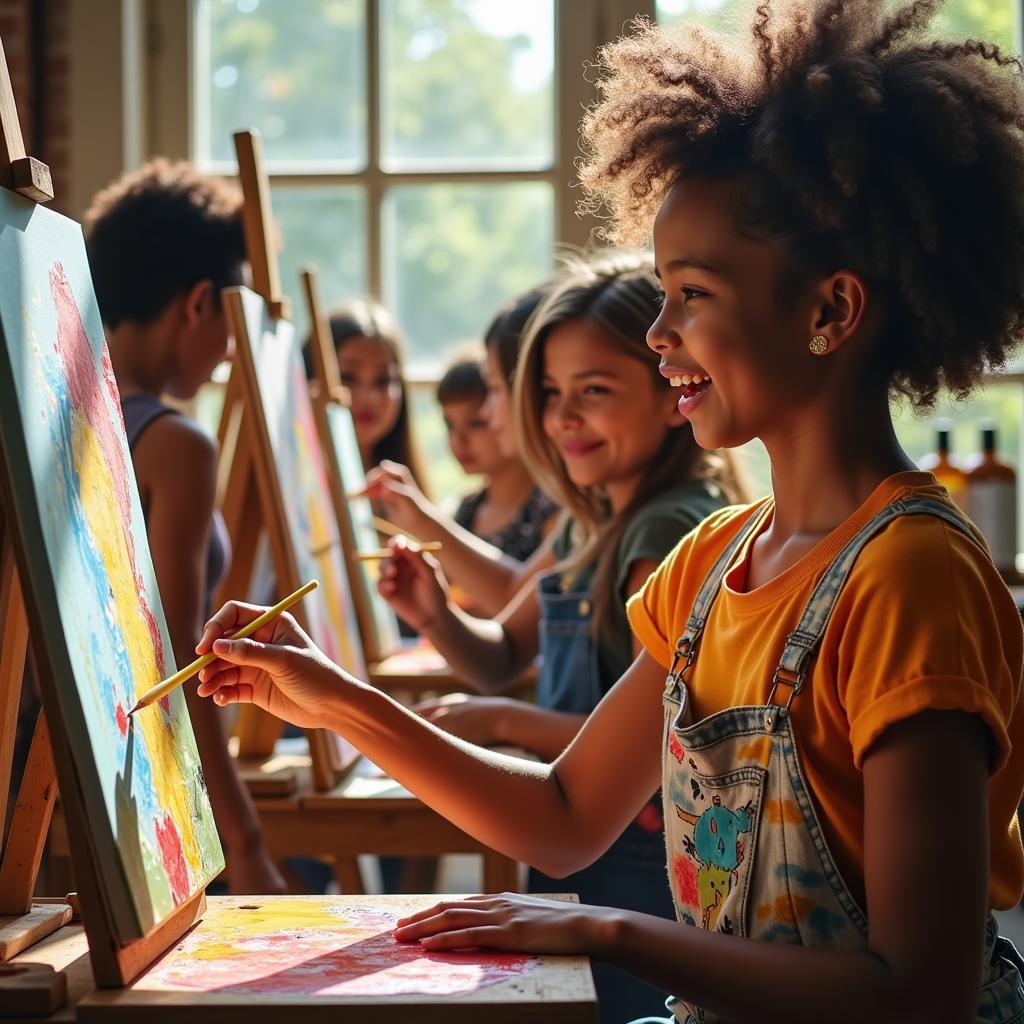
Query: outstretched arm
{"type": "Point", "coordinates": [558, 817]}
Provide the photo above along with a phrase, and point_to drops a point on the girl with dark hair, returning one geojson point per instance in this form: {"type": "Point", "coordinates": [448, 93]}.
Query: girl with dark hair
{"type": "Point", "coordinates": [371, 364]}
{"type": "Point", "coordinates": [837, 216]}
{"type": "Point", "coordinates": [509, 512]}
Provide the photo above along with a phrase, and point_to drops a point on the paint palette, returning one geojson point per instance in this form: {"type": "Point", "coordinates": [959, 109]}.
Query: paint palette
{"type": "Point", "coordinates": [329, 953]}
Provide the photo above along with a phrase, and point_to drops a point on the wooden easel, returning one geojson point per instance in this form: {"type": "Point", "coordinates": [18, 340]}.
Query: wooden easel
{"type": "Point", "coordinates": [328, 395]}
{"type": "Point", "coordinates": [249, 507]}
{"type": "Point", "coordinates": [401, 671]}
{"type": "Point", "coordinates": [23, 922]}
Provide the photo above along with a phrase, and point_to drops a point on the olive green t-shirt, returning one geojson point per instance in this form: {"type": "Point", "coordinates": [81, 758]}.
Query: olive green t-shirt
{"type": "Point", "coordinates": [652, 533]}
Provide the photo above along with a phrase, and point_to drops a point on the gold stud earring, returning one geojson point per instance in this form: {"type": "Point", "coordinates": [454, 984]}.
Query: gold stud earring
{"type": "Point", "coordinates": [818, 345]}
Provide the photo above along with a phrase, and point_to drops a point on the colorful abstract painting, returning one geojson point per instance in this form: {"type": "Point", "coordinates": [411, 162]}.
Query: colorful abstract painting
{"type": "Point", "coordinates": [323, 947]}
{"type": "Point", "coordinates": [90, 579]}
{"type": "Point", "coordinates": [349, 464]}
{"type": "Point", "coordinates": [299, 461]}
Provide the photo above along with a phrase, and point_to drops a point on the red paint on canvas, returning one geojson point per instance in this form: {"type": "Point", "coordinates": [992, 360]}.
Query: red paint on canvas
{"type": "Point", "coordinates": [173, 858]}
{"type": "Point", "coordinates": [122, 720]}
{"type": "Point", "coordinates": [75, 350]}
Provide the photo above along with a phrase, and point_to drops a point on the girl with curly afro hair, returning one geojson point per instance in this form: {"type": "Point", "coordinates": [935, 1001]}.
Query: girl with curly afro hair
{"type": "Point", "coordinates": [837, 216]}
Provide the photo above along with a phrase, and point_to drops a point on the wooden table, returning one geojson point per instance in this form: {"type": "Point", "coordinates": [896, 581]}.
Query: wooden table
{"type": "Point", "coordinates": [367, 812]}
{"type": "Point", "coordinates": [373, 980]}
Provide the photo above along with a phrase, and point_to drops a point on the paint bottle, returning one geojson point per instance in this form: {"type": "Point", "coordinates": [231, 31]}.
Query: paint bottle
{"type": "Point", "coordinates": [992, 501]}
{"type": "Point", "coordinates": [945, 467]}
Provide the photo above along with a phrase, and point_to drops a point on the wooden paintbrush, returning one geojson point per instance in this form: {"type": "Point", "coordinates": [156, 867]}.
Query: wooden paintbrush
{"type": "Point", "coordinates": [151, 696]}
{"type": "Point", "coordinates": [369, 556]}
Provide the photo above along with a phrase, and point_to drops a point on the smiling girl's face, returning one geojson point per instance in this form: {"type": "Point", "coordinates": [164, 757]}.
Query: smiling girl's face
{"type": "Point", "coordinates": [605, 410]}
{"type": "Point", "coordinates": [724, 325]}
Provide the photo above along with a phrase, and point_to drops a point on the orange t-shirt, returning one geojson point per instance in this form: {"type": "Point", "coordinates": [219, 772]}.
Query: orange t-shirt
{"type": "Point", "coordinates": [923, 622]}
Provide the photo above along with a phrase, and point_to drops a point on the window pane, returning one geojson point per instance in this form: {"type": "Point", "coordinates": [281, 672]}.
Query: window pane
{"type": "Point", "coordinates": [984, 19]}
{"type": "Point", "coordinates": [294, 69]}
{"type": "Point", "coordinates": [456, 252]}
{"type": "Point", "coordinates": [721, 14]}
{"type": "Point", "coordinates": [466, 83]}
{"type": "Point", "coordinates": [981, 19]}
{"type": "Point", "coordinates": [324, 225]}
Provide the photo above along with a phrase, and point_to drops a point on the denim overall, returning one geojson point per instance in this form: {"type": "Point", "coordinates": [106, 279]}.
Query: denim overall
{"type": "Point", "coordinates": [746, 852]}
{"type": "Point", "coordinates": [631, 875]}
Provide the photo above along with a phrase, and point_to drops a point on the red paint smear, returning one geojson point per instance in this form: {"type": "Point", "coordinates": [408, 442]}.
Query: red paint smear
{"type": "Point", "coordinates": [675, 748]}
{"type": "Point", "coordinates": [685, 872]}
{"type": "Point", "coordinates": [122, 720]}
{"type": "Point", "coordinates": [371, 964]}
{"type": "Point", "coordinates": [75, 351]}
{"type": "Point", "coordinates": [165, 704]}
{"type": "Point", "coordinates": [173, 858]}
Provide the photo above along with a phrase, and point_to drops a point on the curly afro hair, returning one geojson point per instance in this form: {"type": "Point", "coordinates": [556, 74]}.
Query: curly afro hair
{"type": "Point", "coordinates": [858, 143]}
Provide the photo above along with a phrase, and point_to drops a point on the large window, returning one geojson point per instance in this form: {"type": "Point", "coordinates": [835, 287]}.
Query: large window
{"type": "Point", "coordinates": [410, 144]}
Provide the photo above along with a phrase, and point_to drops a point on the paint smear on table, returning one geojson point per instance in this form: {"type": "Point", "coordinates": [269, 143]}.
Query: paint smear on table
{"type": "Point", "coordinates": [306, 947]}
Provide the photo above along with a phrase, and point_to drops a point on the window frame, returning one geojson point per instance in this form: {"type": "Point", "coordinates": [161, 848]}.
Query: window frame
{"type": "Point", "coordinates": [581, 27]}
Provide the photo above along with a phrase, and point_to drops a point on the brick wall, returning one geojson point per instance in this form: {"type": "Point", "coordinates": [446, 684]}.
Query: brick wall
{"type": "Point", "coordinates": [35, 39]}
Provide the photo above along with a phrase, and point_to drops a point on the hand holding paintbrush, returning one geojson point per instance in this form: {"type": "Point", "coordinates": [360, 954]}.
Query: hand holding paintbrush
{"type": "Point", "coordinates": [171, 683]}
{"type": "Point", "coordinates": [391, 530]}
{"type": "Point", "coordinates": [412, 583]}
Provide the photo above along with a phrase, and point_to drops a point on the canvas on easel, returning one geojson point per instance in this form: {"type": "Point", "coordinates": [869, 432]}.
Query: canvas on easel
{"type": "Point", "coordinates": [378, 623]}
{"type": "Point", "coordinates": [290, 463]}
{"type": "Point", "coordinates": [139, 819]}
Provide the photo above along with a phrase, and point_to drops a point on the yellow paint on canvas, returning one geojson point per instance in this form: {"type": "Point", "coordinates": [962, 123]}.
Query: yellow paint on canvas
{"type": "Point", "coordinates": [99, 503]}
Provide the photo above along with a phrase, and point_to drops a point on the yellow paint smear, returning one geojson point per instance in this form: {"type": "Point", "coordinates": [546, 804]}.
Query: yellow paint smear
{"type": "Point", "coordinates": [785, 908]}
{"type": "Point", "coordinates": [757, 750]}
{"type": "Point", "coordinates": [225, 930]}
{"type": "Point", "coordinates": [100, 503]}
{"type": "Point", "coordinates": [783, 812]}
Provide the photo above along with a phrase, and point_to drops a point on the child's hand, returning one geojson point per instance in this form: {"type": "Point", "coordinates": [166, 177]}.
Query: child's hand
{"type": "Point", "coordinates": [412, 583]}
{"type": "Point", "coordinates": [391, 486]}
{"type": "Point", "coordinates": [509, 921]}
{"type": "Point", "coordinates": [474, 719]}
{"type": "Point", "coordinates": [278, 668]}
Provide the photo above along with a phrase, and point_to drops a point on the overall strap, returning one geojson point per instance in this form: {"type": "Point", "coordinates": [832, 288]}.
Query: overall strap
{"type": "Point", "coordinates": [686, 645]}
{"type": "Point", "coordinates": [802, 644]}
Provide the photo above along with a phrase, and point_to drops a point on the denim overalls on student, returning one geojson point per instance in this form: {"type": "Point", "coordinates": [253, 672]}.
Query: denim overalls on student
{"type": "Point", "coordinates": [631, 875]}
{"type": "Point", "coordinates": [746, 851]}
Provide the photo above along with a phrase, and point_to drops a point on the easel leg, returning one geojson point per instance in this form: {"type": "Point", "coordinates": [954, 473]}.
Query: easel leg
{"type": "Point", "coordinates": [13, 645]}
{"type": "Point", "coordinates": [21, 923]}
{"type": "Point", "coordinates": [29, 826]}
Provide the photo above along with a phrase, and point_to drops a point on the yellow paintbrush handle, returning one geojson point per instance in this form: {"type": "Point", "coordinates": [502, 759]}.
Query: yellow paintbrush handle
{"type": "Point", "coordinates": [371, 556]}
{"type": "Point", "coordinates": [171, 682]}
